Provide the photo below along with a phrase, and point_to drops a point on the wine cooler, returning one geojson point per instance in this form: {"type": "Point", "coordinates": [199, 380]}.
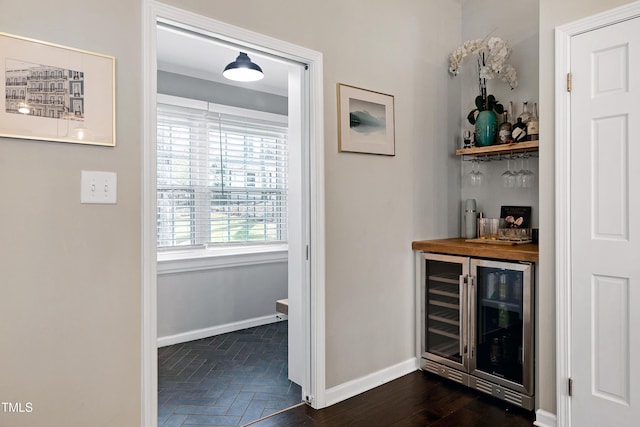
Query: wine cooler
{"type": "Point", "coordinates": [476, 324]}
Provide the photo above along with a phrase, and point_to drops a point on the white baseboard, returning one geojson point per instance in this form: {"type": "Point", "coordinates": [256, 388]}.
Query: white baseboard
{"type": "Point", "coordinates": [217, 330]}
{"type": "Point", "coordinates": [545, 419]}
{"type": "Point", "coordinates": [354, 387]}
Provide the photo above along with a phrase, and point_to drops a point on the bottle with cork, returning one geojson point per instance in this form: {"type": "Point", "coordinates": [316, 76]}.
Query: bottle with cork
{"type": "Point", "coordinates": [504, 131]}
{"type": "Point", "coordinates": [519, 131]}
{"type": "Point", "coordinates": [532, 125]}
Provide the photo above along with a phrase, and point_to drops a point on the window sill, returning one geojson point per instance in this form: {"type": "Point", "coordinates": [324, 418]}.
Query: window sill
{"type": "Point", "coordinates": [214, 258]}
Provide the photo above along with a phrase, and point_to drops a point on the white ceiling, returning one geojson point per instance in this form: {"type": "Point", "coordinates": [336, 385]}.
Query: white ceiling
{"type": "Point", "coordinates": [203, 57]}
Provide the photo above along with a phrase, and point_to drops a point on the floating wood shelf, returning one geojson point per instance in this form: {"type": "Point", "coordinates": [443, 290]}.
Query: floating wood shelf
{"type": "Point", "coordinates": [517, 147]}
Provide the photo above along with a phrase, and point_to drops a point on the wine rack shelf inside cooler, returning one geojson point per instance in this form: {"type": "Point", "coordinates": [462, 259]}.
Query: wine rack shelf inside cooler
{"type": "Point", "coordinates": [444, 313]}
{"type": "Point", "coordinates": [446, 349]}
{"type": "Point", "coordinates": [445, 278]}
{"type": "Point", "coordinates": [446, 316]}
{"type": "Point", "coordinates": [445, 330]}
{"type": "Point", "coordinates": [517, 308]}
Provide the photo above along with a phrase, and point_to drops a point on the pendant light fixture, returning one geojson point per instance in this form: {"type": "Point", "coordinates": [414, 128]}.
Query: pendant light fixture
{"type": "Point", "coordinates": [243, 70]}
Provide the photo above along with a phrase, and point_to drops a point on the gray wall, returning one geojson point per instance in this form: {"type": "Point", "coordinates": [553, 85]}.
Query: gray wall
{"type": "Point", "coordinates": [195, 300]}
{"type": "Point", "coordinates": [204, 90]}
{"type": "Point", "coordinates": [70, 274]}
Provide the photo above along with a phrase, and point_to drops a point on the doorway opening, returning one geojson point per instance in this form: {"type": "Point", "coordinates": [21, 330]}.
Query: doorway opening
{"type": "Point", "coordinates": [304, 248]}
{"type": "Point", "coordinates": [222, 191]}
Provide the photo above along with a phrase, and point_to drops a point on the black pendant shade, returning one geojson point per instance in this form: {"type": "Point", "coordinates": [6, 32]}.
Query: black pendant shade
{"type": "Point", "coordinates": [243, 70]}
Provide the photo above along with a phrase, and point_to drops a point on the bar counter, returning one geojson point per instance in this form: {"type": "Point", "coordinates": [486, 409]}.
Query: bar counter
{"type": "Point", "coordinates": [525, 252]}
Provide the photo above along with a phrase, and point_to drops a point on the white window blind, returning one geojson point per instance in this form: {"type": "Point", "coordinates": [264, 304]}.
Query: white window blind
{"type": "Point", "coordinates": [221, 178]}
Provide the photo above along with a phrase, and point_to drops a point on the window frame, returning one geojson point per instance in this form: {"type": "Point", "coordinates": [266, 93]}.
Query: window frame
{"type": "Point", "coordinates": [220, 255]}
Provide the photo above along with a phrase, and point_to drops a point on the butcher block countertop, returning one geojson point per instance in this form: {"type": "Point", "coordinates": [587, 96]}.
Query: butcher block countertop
{"type": "Point", "coordinates": [526, 252]}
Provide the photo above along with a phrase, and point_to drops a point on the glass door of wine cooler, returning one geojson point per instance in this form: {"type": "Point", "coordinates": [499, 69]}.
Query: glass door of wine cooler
{"type": "Point", "coordinates": [444, 301]}
{"type": "Point", "coordinates": [502, 323]}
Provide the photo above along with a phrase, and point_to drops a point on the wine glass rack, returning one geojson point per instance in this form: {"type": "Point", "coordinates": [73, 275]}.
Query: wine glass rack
{"type": "Point", "coordinates": [500, 149]}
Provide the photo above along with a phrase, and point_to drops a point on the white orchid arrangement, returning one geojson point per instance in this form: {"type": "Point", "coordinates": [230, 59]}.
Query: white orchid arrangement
{"type": "Point", "coordinates": [492, 55]}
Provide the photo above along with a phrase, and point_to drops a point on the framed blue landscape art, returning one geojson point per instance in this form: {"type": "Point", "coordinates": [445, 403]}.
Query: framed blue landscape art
{"type": "Point", "coordinates": [365, 121]}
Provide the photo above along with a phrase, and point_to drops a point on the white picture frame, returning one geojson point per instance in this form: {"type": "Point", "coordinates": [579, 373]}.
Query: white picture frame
{"type": "Point", "coordinates": [365, 121]}
{"type": "Point", "coordinates": [56, 93]}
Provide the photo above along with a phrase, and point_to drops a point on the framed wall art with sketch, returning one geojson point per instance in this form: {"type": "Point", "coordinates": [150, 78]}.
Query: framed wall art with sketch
{"type": "Point", "coordinates": [56, 93]}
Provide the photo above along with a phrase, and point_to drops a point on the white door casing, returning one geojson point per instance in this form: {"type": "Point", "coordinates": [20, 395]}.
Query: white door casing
{"type": "Point", "coordinates": [597, 242]}
{"type": "Point", "coordinates": [298, 271]}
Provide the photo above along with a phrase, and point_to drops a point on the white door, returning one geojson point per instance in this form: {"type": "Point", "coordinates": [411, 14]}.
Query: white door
{"type": "Point", "coordinates": [605, 226]}
{"type": "Point", "coordinates": [298, 214]}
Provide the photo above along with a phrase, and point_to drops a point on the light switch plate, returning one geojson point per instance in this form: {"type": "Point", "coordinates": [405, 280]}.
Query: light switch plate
{"type": "Point", "coordinates": [98, 187]}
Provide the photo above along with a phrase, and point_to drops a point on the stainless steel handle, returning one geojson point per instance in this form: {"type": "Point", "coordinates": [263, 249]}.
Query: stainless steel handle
{"type": "Point", "coordinates": [472, 315]}
{"type": "Point", "coordinates": [462, 279]}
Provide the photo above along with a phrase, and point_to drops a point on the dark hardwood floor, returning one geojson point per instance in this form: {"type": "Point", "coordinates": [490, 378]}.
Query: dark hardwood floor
{"type": "Point", "coordinates": [417, 399]}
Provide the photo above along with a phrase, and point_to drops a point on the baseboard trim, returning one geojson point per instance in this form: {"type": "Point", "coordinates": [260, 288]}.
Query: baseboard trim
{"type": "Point", "coordinates": [217, 330]}
{"type": "Point", "coordinates": [545, 419]}
{"type": "Point", "coordinates": [360, 385]}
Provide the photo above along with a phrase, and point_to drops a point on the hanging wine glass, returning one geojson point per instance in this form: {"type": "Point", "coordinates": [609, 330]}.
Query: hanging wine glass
{"type": "Point", "coordinates": [529, 177]}
{"type": "Point", "coordinates": [508, 176]}
{"type": "Point", "coordinates": [479, 175]}
{"type": "Point", "coordinates": [521, 174]}
{"type": "Point", "coordinates": [475, 177]}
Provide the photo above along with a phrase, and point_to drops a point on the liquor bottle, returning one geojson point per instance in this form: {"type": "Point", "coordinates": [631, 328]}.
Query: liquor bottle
{"type": "Point", "coordinates": [503, 288]}
{"type": "Point", "coordinates": [507, 356]}
{"type": "Point", "coordinates": [525, 115]}
{"type": "Point", "coordinates": [532, 126]}
{"type": "Point", "coordinates": [503, 315]}
{"type": "Point", "coordinates": [504, 131]}
{"type": "Point", "coordinates": [491, 286]}
{"type": "Point", "coordinates": [495, 353]}
{"type": "Point", "coordinates": [519, 131]}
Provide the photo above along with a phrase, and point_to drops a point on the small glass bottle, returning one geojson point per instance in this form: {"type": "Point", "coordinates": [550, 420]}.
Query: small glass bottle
{"type": "Point", "coordinates": [532, 126]}
{"type": "Point", "coordinates": [525, 115]}
{"type": "Point", "coordinates": [504, 131]}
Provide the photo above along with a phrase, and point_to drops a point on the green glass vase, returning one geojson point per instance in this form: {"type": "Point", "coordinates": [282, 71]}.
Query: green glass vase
{"type": "Point", "coordinates": [486, 128]}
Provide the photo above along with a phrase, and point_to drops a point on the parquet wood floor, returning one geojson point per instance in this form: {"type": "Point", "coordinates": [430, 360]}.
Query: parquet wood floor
{"type": "Point", "coordinates": [225, 380]}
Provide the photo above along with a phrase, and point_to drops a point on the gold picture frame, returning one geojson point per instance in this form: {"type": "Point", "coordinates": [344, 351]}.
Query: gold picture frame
{"type": "Point", "coordinates": [365, 121]}
{"type": "Point", "coordinates": [56, 93]}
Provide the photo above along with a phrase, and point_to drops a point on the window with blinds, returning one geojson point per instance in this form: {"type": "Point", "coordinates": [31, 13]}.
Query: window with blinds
{"type": "Point", "coordinates": [221, 178]}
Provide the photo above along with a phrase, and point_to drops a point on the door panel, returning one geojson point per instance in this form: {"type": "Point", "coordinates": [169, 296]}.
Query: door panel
{"type": "Point", "coordinates": [610, 177]}
{"type": "Point", "coordinates": [610, 316]}
{"type": "Point", "coordinates": [605, 241]}
{"type": "Point", "coordinates": [444, 308]}
{"type": "Point", "coordinates": [502, 338]}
